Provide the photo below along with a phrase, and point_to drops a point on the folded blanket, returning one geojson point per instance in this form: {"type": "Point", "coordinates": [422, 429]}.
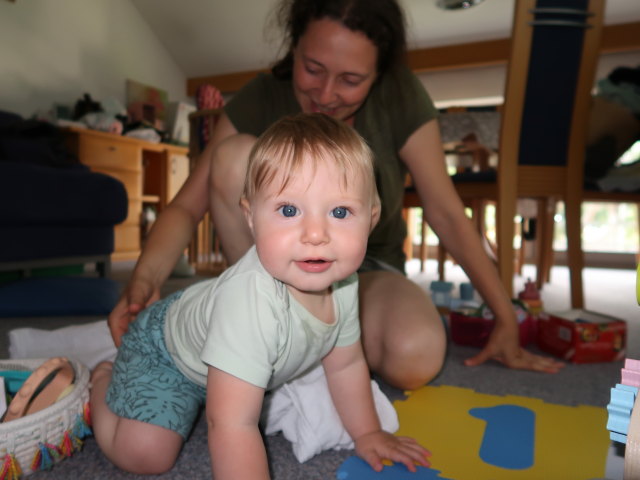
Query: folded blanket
{"type": "Point", "coordinates": [90, 343]}
{"type": "Point", "coordinates": [302, 409]}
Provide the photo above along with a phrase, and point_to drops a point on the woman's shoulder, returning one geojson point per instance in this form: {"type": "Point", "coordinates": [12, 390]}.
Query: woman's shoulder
{"type": "Point", "coordinates": [397, 105]}
{"type": "Point", "coordinates": [267, 80]}
{"type": "Point", "coordinates": [260, 102]}
{"type": "Point", "coordinates": [264, 88]}
{"type": "Point", "coordinates": [401, 87]}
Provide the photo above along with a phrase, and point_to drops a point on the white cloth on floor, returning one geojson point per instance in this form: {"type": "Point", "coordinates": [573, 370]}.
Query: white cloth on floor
{"type": "Point", "coordinates": [90, 343]}
{"type": "Point", "coordinates": [304, 411]}
{"type": "Point", "coordinates": [302, 408]}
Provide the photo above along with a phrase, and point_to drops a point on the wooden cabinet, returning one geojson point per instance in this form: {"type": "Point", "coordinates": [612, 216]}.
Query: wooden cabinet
{"type": "Point", "coordinates": [164, 173]}
{"type": "Point", "coordinates": [178, 171]}
{"type": "Point", "coordinates": [152, 173]}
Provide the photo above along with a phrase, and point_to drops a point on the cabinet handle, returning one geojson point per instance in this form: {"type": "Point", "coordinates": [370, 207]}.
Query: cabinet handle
{"type": "Point", "coordinates": [112, 148]}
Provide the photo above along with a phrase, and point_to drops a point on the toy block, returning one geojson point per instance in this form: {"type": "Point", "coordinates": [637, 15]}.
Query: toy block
{"type": "Point", "coordinates": [620, 407]}
{"type": "Point", "coordinates": [631, 372]}
{"type": "Point", "coordinates": [632, 364]}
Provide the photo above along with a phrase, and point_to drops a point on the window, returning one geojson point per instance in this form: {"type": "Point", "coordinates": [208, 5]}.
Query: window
{"type": "Point", "coordinates": [606, 227]}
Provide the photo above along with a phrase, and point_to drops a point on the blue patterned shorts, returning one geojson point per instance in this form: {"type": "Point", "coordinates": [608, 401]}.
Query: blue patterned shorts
{"type": "Point", "coordinates": [146, 384]}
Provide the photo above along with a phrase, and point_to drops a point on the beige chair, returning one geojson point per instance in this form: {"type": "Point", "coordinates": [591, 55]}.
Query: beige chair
{"type": "Point", "coordinates": [550, 74]}
{"type": "Point", "coordinates": [613, 129]}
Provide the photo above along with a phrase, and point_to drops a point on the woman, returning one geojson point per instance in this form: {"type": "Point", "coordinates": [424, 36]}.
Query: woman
{"type": "Point", "coordinates": [346, 60]}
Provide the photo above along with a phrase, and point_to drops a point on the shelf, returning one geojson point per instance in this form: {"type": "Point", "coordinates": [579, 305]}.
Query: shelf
{"type": "Point", "coordinates": [150, 198]}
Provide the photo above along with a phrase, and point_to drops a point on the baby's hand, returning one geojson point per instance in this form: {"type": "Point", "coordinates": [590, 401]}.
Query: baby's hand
{"type": "Point", "coordinates": [377, 446]}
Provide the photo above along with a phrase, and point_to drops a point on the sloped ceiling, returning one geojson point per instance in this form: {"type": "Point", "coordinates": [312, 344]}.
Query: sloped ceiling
{"type": "Point", "coordinates": [211, 37]}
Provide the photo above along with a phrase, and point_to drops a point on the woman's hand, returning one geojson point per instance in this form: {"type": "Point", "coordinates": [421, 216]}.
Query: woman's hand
{"type": "Point", "coordinates": [379, 445]}
{"type": "Point", "coordinates": [138, 295]}
{"type": "Point", "coordinates": [504, 347]}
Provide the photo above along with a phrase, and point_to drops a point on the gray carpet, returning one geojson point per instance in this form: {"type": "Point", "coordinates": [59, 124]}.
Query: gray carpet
{"type": "Point", "coordinates": [607, 291]}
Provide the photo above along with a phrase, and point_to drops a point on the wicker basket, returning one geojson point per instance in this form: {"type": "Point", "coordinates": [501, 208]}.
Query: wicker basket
{"type": "Point", "coordinates": [38, 441]}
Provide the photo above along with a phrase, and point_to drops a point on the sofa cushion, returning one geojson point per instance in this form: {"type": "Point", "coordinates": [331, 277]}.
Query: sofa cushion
{"type": "Point", "coordinates": [34, 242]}
{"type": "Point", "coordinates": [56, 296]}
{"type": "Point", "coordinates": [35, 195]}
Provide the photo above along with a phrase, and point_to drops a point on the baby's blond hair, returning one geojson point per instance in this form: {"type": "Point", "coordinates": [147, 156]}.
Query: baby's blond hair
{"type": "Point", "coordinates": [285, 144]}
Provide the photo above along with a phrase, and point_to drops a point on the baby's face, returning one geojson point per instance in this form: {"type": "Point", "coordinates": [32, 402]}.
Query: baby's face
{"type": "Point", "coordinates": [315, 231]}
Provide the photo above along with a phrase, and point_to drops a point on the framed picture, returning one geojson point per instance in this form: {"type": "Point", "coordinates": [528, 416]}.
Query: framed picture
{"type": "Point", "coordinates": [147, 104]}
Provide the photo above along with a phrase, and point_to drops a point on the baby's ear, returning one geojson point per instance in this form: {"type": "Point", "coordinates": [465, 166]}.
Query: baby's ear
{"type": "Point", "coordinates": [246, 209]}
{"type": "Point", "coordinates": [375, 216]}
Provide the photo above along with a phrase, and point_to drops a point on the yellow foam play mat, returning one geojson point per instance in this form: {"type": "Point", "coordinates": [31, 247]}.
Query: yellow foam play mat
{"type": "Point", "coordinates": [475, 436]}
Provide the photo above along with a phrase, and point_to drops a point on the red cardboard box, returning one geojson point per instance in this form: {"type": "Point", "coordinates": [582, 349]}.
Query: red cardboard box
{"type": "Point", "coordinates": [471, 329]}
{"type": "Point", "coordinates": [582, 336]}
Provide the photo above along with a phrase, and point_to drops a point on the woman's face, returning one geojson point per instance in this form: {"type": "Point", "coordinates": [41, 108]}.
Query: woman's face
{"type": "Point", "coordinates": [333, 69]}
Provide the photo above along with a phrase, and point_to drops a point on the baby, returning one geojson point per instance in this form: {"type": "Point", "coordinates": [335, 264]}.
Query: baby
{"type": "Point", "coordinates": [291, 302]}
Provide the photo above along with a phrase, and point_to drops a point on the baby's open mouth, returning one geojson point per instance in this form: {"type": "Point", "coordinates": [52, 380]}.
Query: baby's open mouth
{"type": "Point", "coordinates": [315, 265]}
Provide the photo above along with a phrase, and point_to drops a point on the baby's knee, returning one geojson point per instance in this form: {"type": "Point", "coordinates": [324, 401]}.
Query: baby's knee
{"type": "Point", "coordinates": [147, 454]}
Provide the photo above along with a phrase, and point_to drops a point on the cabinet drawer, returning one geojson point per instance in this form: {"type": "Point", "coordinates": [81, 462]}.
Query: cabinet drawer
{"type": "Point", "coordinates": [134, 213]}
{"type": "Point", "coordinates": [132, 181]}
{"type": "Point", "coordinates": [127, 238]}
{"type": "Point", "coordinates": [110, 154]}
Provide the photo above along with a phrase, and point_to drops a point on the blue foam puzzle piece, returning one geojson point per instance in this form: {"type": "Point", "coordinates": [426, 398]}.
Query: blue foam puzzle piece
{"type": "Point", "coordinates": [509, 437]}
{"type": "Point", "coordinates": [55, 296]}
{"type": "Point", "coordinates": [354, 468]}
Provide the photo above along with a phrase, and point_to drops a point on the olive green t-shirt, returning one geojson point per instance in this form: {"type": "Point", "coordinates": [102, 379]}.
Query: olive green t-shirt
{"type": "Point", "coordinates": [395, 108]}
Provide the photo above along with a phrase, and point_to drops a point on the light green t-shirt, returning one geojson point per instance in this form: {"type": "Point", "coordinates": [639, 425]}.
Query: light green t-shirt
{"type": "Point", "coordinates": [395, 108]}
{"type": "Point", "coordinates": [247, 324]}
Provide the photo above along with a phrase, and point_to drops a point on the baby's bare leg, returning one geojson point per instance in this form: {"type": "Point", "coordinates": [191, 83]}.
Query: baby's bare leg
{"type": "Point", "coordinates": [132, 445]}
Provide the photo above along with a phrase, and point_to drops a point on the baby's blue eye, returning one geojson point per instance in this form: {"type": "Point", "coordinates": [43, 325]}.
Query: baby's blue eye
{"type": "Point", "coordinates": [288, 210]}
{"type": "Point", "coordinates": [339, 212]}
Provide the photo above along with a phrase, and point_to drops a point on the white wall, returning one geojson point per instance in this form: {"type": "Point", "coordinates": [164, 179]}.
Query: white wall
{"type": "Point", "coordinates": [53, 51]}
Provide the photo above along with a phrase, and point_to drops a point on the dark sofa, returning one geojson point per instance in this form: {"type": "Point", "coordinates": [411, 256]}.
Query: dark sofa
{"type": "Point", "coordinates": [53, 210]}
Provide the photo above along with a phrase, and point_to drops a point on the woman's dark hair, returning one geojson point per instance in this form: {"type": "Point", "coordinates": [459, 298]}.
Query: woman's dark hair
{"type": "Point", "coordinates": [382, 21]}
